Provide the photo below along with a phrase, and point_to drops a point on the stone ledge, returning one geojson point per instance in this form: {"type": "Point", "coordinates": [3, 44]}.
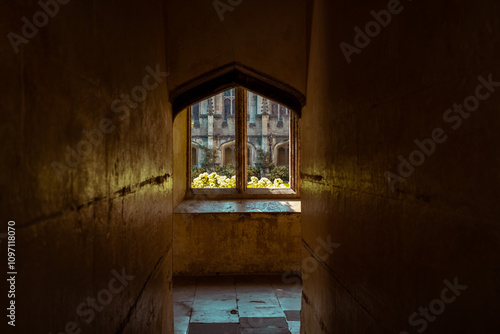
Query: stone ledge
{"type": "Point", "coordinates": [238, 206]}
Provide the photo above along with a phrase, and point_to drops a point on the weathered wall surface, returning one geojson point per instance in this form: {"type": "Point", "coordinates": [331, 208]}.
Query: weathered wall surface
{"type": "Point", "coordinates": [236, 243]}
{"type": "Point", "coordinates": [223, 241]}
{"type": "Point", "coordinates": [180, 157]}
{"type": "Point", "coordinates": [113, 210]}
{"type": "Point", "coordinates": [442, 223]}
{"type": "Point", "coordinates": [269, 36]}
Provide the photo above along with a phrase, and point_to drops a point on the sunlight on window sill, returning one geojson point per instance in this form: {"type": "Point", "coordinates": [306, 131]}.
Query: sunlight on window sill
{"type": "Point", "coordinates": [239, 206]}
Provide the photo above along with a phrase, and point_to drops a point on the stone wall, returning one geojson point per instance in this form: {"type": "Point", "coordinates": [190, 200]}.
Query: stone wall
{"type": "Point", "coordinates": [400, 250]}
{"type": "Point", "coordinates": [106, 213]}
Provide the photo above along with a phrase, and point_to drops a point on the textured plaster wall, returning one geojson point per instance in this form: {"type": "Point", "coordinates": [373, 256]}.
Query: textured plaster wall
{"type": "Point", "coordinates": [269, 36]}
{"type": "Point", "coordinates": [113, 210]}
{"type": "Point", "coordinates": [397, 248]}
{"type": "Point", "coordinates": [180, 157]}
{"type": "Point", "coordinates": [236, 243]}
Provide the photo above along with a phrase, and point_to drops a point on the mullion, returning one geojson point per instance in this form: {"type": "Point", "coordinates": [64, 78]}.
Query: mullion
{"type": "Point", "coordinates": [293, 156]}
{"type": "Point", "coordinates": [189, 148]}
{"type": "Point", "coordinates": [240, 139]}
{"type": "Point", "coordinates": [244, 139]}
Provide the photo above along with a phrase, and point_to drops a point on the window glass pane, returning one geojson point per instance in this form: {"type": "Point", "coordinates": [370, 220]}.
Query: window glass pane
{"type": "Point", "coordinates": [268, 143]}
{"type": "Point", "coordinates": [213, 142]}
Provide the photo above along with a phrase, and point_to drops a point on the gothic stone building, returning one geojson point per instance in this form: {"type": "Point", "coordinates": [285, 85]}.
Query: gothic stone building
{"type": "Point", "coordinates": [213, 126]}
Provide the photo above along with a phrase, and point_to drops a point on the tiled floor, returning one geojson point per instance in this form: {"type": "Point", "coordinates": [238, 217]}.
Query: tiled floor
{"type": "Point", "coordinates": [236, 305]}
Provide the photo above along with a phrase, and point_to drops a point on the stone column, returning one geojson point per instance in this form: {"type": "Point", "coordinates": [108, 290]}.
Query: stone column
{"type": "Point", "coordinates": [265, 119]}
{"type": "Point", "coordinates": [251, 107]}
{"type": "Point", "coordinates": [219, 107]}
{"type": "Point", "coordinates": [210, 123]}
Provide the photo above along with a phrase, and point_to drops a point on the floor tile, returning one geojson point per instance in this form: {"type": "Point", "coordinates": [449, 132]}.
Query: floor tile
{"type": "Point", "coordinates": [288, 303]}
{"type": "Point", "coordinates": [267, 300]}
{"type": "Point", "coordinates": [294, 327]}
{"type": "Point", "coordinates": [263, 322]}
{"type": "Point", "coordinates": [213, 329]}
{"type": "Point", "coordinates": [260, 311]}
{"type": "Point", "coordinates": [265, 331]}
{"type": "Point", "coordinates": [292, 315]}
{"type": "Point", "coordinates": [214, 316]}
{"type": "Point", "coordinates": [182, 308]}
{"type": "Point", "coordinates": [214, 304]}
{"type": "Point", "coordinates": [236, 304]}
{"type": "Point", "coordinates": [181, 323]}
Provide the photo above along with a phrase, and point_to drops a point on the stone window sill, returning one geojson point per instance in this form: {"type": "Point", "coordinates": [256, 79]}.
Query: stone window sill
{"type": "Point", "coordinates": [238, 206]}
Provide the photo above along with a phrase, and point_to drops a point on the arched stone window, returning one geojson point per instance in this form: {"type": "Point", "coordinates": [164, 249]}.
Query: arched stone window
{"type": "Point", "coordinates": [196, 115]}
{"type": "Point", "coordinates": [274, 109]}
{"type": "Point", "coordinates": [264, 145]}
{"type": "Point", "coordinates": [228, 156]}
{"type": "Point", "coordinates": [247, 128]}
{"type": "Point", "coordinates": [227, 108]}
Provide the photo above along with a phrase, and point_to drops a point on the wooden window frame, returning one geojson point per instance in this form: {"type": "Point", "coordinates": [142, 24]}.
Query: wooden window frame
{"type": "Point", "coordinates": [241, 191]}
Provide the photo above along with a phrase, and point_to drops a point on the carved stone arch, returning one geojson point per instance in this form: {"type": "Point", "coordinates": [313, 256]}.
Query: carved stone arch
{"type": "Point", "coordinates": [277, 159]}
{"type": "Point", "coordinates": [228, 145]}
{"type": "Point", "coordinates": [195, 153]}
{"type": "Point", "coordinates": [252, 150]}
{"type": "Point", "coordinates": [231, 75]}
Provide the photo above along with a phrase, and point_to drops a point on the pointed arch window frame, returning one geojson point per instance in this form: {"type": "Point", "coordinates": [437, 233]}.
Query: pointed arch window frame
{"type": "Point", "coordinates": [242, 79]}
